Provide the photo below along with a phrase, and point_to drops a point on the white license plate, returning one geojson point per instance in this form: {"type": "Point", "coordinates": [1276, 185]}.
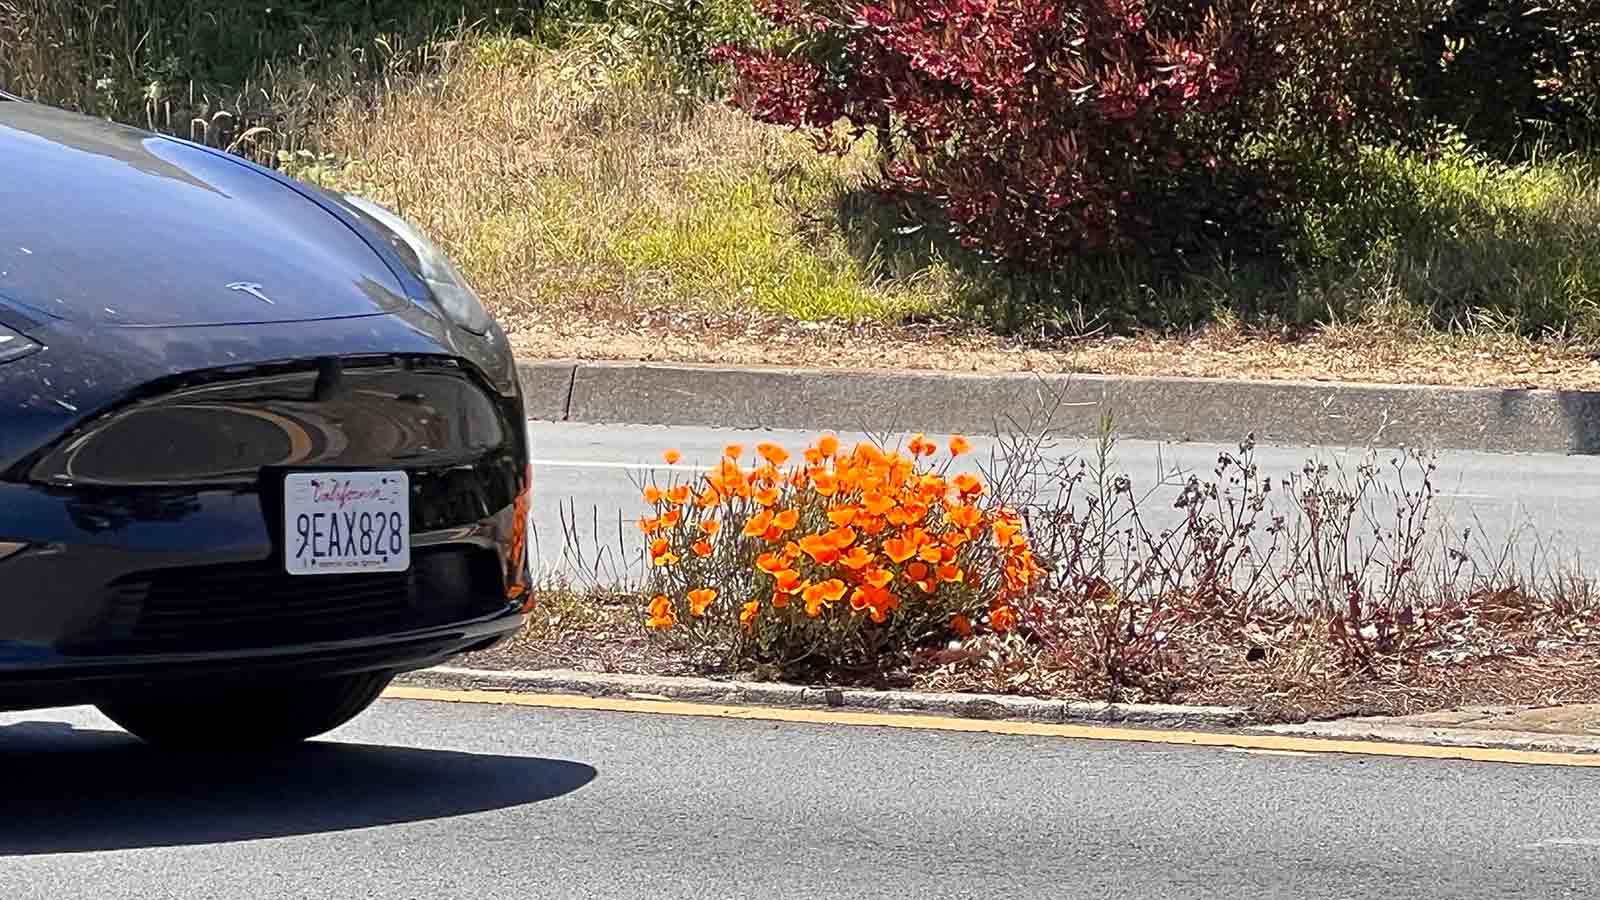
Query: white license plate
{"type": "Point", "coordinates": [342, 522]}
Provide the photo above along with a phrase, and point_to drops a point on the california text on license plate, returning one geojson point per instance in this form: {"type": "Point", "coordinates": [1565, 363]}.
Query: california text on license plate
{"type": "Point", "coordinates": [342, 522]}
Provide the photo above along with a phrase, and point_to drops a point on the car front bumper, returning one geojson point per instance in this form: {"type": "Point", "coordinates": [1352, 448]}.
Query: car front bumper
{"type": "Point", "coordinates": [152, 545]}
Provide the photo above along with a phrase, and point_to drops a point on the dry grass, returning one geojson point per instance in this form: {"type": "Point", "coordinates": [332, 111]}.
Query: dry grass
{"type": "Point", "coordinates": [1368, 352]}
{"type": "Point", "coordinates": [578, 183]}
{"type": "Point", "coordinates": [256, 79]}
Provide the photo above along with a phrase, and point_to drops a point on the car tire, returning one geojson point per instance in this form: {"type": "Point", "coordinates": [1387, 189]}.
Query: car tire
{"type": "Point", "coordinates": [252, 718]}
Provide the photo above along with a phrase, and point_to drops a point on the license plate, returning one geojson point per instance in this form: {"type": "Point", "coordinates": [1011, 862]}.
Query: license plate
{"type": "Point", "coordinates": [342, 522]}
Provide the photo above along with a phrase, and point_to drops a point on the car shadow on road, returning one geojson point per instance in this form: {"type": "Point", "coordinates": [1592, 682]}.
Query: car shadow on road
{"type": "Point", "coordinates": [68, 790]}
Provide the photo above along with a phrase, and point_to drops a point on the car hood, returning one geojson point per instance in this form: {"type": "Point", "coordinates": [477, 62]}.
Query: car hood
{"type": "Point", "coordinates": [107, 226]}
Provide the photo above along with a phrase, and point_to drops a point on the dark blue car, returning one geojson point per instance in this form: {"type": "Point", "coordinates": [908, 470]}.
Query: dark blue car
{"type": "Point", "coordinates": [261, 447]}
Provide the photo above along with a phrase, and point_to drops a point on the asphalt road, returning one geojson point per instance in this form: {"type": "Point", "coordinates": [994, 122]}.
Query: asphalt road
{"type": "Point", "coordinates": [587, 478]}
{"type": "Point", "coordinates": [428, 800]}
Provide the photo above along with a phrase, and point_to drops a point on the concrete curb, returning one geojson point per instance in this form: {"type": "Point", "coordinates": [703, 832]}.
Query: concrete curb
{"type": "Point", "coordinates": [745, 693]}
{"type": "Point", "coordinates": [1170, 409]}
{"type": "Point", "coordinates": [979, 706]}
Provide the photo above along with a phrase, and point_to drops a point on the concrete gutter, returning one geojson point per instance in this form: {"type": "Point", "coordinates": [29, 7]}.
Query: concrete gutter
{"type": "Point", "coordinates": [1170, 409]}
{"type": "Point", "coordinates": [1396, 732]}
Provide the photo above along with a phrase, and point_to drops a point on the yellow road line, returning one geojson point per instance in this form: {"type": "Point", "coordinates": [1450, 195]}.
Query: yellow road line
{"type": "Point", "coordinates": [1284, 744]}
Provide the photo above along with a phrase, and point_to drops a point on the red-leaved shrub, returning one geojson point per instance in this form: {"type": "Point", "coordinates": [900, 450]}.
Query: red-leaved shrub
{"type": "Point", "coordinates": [1044, 129]}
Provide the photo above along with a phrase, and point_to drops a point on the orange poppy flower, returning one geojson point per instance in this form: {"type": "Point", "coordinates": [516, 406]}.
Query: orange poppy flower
{"type": "Point", "coordinates": [824, 483]}
{"type": "Point", "coordinates": [798, 479]}
{"type": "Point", "coordinates": [813, 456]}
{"type": "Point", "coordinates": [822, 595]}
{"type": "Point", "coordinates": [757, 525]}
{"type": "Point", "coordinates": [931, 553]}
{"type": "Point", "coordinates": [649, 525]}
{"type": "Point", "coordinates": [954, 539]}
{"type": "Point", "coordinates": [858, 558]}
{"type": "Point", "coordinates": [791, 551]}
{"type": "Point", "coordinates": [748, 613]}
{"type": "Point", "coordinates": [959, 445]}
{"type": "Point", "coordinates": [908, 513]}
{"type": "Point", "coordinates": [780, 600]}
{"type": "Point", "coordinates": [711, 527]}
{"type": "Point", "coordinates": [658, 547]}
{"type": "Point", "coordinates": [672, 457]}
{"type": "Point", "coordinates": [1003, 618]}
{"type": "Point", "coordinates": [965, 516]}
{"type": "Point", "coordinates": [773, 454]}
{"type": "Point", "coordinates": [869, 453]}
{"type": "Point", "coordinates": [818, 548]}
{"type": "Point", "coordinates": [877, 504]}
{"type": "Point", "coordinates": [872, 525]}
{"type": "Point", "coordinates": [841, 538]}
{"type": "Point", "coordinates": [968, 484]}
{"type": "Point", "coordinates": [917, 571]}
{"type": "Point", "coordinates": [711, 497]}
{"type": "Point", "coordinates": [662, 615]}
{"type": "Point", "coordinates": [733, 451]}
{"type": "Point", "coordinates": [671, 518]}
{"type": "Point", "coordinates": [786, 520]}
{"type": "Point", "coordinates": [767, 475]}
{"type": "Point", "coordinates": [771, 563]}
{"type": "Point", "coordinates": [773, 535]}
{"type": "Point", "coordinates": [679, 495]}
{"type": "Point", "coordinates": [652, 495]}
{"type": "Point", "coordinates": [899, 549]}
{"type": "Point", "coordinates": [878, 577]}
{"type": "Point", "coordinates": [877, 601]}
{"type": "Point", "coordinates": [666, 560]}
{"type": "Point", "coordinates": [952, 574]}
{"type": "Point", "coordinates": [700, 600]}
{"type": "Point", "coordinates": [901, 471]}
{"type": "Point", "coordinates": [768, 496]}
{"type": "Point", "coordinates": [919, 445]}
{"type": "Point", "coordinates": [842, 516]}
{"type": "Point", "coordinates": [702, 549]}
{"type": "Point", "coordinates": [1006, 533]}
{"type": "Point", "coordinates": [961, 625]}
{"type": "Point", "coordinates": [787, 581]}
{"type": "Point", "coordinates": [828, 445]}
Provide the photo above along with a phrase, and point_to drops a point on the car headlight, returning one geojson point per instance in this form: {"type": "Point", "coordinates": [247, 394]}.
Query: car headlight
{"type": "Point", "coordinates": [14, 346]}
{"type": "Point", "coordinates": [450, 290]}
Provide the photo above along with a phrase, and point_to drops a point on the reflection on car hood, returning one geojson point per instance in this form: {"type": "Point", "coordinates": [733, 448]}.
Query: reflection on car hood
{"type": "Point", "coordinates": [103, 225]}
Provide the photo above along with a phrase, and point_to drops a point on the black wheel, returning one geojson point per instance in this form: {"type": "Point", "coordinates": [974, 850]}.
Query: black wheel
{"type": "Point", "coordinates": [250, 718]}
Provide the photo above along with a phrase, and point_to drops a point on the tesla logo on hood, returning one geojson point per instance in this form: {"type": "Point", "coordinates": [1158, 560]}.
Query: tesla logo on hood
{"type": "Point", "coordinates": [251, 288]}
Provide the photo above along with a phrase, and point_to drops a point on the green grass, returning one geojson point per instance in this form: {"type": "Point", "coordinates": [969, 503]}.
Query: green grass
{"type": "Point", "coordinates": [1460, 240]}
{"type": "Point", "coordinates": [738, 244]}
